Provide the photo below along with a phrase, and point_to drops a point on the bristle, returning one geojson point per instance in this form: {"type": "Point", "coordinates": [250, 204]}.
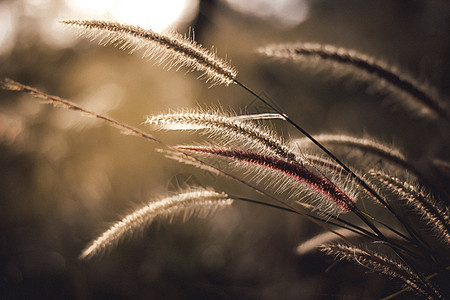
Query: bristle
{"type": "Point", "coordinates": [170, 49]}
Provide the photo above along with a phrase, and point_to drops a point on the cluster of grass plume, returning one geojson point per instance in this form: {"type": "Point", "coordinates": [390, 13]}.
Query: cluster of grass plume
{"type": "Point", "coordinates": [322, 188]}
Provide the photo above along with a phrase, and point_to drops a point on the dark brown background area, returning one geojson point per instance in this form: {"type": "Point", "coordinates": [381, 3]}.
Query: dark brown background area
{"type": "Point", "coordinates": [65, 177]}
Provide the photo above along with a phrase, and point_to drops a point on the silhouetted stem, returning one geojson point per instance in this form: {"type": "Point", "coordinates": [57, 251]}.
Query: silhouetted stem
{"type": "Point", "coordinates": [361, 182]}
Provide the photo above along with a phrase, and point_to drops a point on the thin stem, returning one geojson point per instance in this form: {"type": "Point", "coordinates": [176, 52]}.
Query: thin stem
{"type": "Point", "coordinates": [363, 232]}
{"type": "Point", "coordinates": [393, 230]}
{"type": "Point", "coordinates": [312, 139]}
{"type": "Point", "coordinates": [392, 296]}
{"type": "Point", "coordinates": [361, 182]}
{"type": "Point", "coordinates": [347, 225]}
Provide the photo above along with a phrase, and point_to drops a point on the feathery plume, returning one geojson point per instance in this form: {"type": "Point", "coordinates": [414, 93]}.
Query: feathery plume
{"type": "Point", "coordinates": [333, 199]}
{"type": "Point", "coordinates": [228, 130]}
{"type": "Point", "coordinates": [196, 202]}
{"type": "Point", "coordinates": [172, 49]}
{"type": "Point", "coordinates": [11, 85]}
{"type": "Point", "coordinates": [437, 216]}
{"type": "Point", "coordinates": [365, 145]}
{"type": "Point", "coordinates": [387, 153]}
{"type": "Point", "coordinates": [378, 263]}
{"type": "Point", "coordinates": [416, 95]}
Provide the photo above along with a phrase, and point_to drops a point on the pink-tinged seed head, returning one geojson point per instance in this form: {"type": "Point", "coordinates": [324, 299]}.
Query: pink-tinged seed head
{"type": "Point", "coordinates": [318, 183]}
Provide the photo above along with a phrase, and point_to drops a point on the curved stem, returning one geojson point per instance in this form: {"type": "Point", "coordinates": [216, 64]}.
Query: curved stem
{"type": "Point", "coordinates": [363, 184]}
{"type": "Point", "coordinates": [392, 296]}
{"type": "Point", "coordinates": [347, 225]}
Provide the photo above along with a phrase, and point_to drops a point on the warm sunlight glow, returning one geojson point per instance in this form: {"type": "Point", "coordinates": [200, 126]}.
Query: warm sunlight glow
{"type": "Point", "coordinates": [7, 38]}
{"type": "Point", "coordinates": [155, 15]}
{"type": "Point", "coordinates": [284, 13]}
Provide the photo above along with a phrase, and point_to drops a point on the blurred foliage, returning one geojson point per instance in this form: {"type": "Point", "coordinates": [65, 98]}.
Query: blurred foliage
{"type": "Point", "coordinates": [63, 176]}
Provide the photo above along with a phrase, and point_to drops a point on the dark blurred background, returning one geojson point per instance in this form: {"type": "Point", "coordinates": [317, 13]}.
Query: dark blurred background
{"type": "Point", "coordinates": [64, 178]}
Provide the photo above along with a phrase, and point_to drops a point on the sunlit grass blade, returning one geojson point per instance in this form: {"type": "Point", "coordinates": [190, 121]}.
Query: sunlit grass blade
{"type": "Point", "coordinates": [170, 49]}
{"type": "Point", "coordinates": [198, 203]}
{"type": "Point", "coordinates": [227, 130]}
{"type": "Point", "coordinates": [327, 196]}
{"type": "Point", "coordinates": [415, 95]}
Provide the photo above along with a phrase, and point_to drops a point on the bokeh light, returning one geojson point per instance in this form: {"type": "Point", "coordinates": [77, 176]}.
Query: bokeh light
{"type": "Point", "coordinates": [65, 177]}
{"type": "Point", "coordinates": [41, 17]}
{"type": "Point", "coordinates": [283, 13]}
{"type": "Point", "coordinates": [155, 15]}
{"type": "Point", "coordinates": [7, 25]}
